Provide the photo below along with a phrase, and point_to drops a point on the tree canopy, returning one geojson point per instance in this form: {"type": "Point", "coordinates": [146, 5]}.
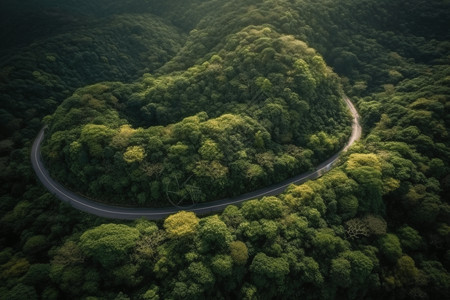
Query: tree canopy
{"type": "Point", "coordinates": [156, 103]}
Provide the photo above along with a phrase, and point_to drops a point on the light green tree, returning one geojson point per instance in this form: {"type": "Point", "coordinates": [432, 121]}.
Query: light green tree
{"type": "Point", "coordinates": [134, 154]}
{"type": "Point", "coordinates": [239, 252]}
{"type": "Point", "coordinates": [181, 224]}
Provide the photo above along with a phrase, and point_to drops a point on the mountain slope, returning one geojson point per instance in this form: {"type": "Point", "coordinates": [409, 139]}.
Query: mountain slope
{"type": "Point", "coordinates": [261, 109]}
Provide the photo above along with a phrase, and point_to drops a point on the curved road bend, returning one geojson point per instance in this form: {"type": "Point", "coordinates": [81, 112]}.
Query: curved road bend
{"type": "Point", "coordinates": [117, 212]}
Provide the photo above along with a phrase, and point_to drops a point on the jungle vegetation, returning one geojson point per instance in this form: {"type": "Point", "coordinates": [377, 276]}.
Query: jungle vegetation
{"type": "Point", "coordinates": [235, 95]}
{"type": "Point", "coordinates": [261, 109]}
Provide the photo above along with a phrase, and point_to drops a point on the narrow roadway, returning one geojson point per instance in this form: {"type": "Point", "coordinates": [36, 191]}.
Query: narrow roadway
{"type": "Point", "coordinates": [117, 212]}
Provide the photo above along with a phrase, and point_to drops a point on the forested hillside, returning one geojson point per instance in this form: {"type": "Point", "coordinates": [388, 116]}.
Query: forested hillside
{"type": "Point", "coordinates": [229, 95]}
{"type": "Point", "coordinates": [262, 108]}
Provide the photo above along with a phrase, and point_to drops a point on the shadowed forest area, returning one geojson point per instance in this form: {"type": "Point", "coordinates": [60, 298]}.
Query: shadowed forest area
{"type": "Point", "coordinates": [151, 103]}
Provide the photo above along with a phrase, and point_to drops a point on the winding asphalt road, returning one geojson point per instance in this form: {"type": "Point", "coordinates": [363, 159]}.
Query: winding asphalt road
{"type": "Point", "coordinates": [116, 212]}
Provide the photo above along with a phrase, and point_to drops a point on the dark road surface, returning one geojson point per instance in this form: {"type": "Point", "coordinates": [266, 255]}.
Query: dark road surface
{"type": "Point", "coordinates": [116, 212]}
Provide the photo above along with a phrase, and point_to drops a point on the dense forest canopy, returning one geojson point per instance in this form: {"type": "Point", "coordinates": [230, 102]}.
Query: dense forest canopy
{"type": "Point", "coordinates": [142, 95]}
{"type": "Point", "coordinates": [263, 107]}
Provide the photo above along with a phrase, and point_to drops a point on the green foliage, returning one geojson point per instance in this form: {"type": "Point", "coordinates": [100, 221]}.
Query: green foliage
{"type": "Point", "coordinates": [232, 216]}
{"type": "Point", "coordinates": [181, 224]}
{"type": "Point", "coordinates": [210, 151]}
{"type": "Point", "coordinates": [151, 294]}
{"type": "Point", "coordinates": [340, 272]}
{"type": "Point", "coordinates": [109, 244]}
{"type": "Point", "coordinates": [361, 266]}
{"type": "Point", "coordinates": [222, 265]}
{"type": "Point", "coordinates": [201, 275]}
{"type": "Point", "coordinates": [268, 270]}
{"type": "Point", "coordinates": [118, 47]}
{"type": "Point", "coordinates": [35, 244]}
{"type": "Point", "coordinates": [195, 124]}
{"type": "Point", "coordinates": [310, 271]}
{"type": "Point", "coordinates": [438, 277]}
{"type": "Point", "coordinates": [95, 137]}
{"type": "Point", "coordinates": [410, 238]}
{"type": "Point", "coordinates": [14, 268]}
{"type": "Point", "coordinates": [68, 254]}
{"type": "Point", "coordinates": [390, 247]}
{"type": "Point", "coordinates": [37, 275]}
{"type": "Point", "coordinates": [22, 291]}
{"type": "Point", "coordinates": [365, 169]}
{"type": "Point", "coordinates": [239, 252]}
{"type": "Point", "coordinates": [348, 206]}
{"type": "Point", "coordinates": [267, 208]}
{"type": "Point", "coordinates": [406, 272]}
{"type": "Point", "coordinates": [213, 234]}
{"type": "Point", "coordinates": [327, 244]}
{"type": "Point", "coordinates": [134, 154]}
{"type": "Point", "coordinates": [229, 98]}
